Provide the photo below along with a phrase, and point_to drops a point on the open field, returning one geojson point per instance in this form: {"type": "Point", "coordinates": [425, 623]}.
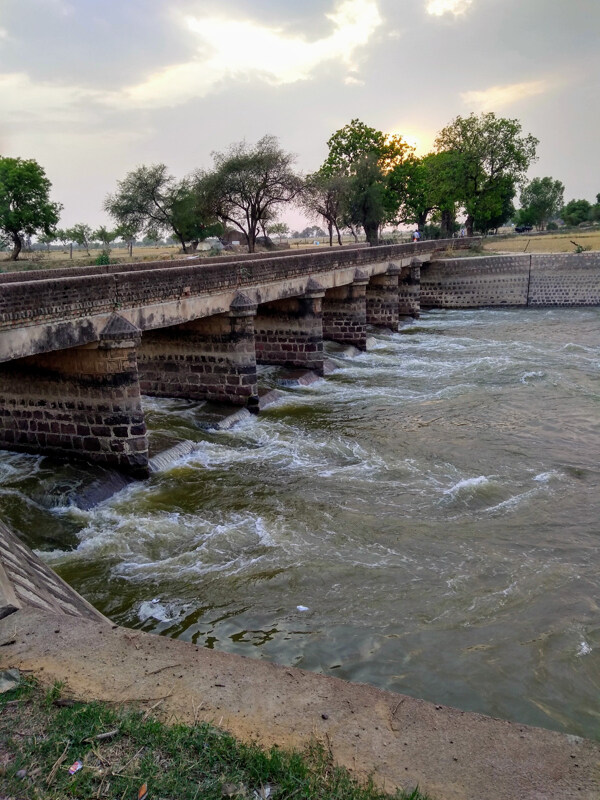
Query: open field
{"type": "Point", "coordinates": [557, 243]}
{"type": "Point", "coordinates": [60, 258]}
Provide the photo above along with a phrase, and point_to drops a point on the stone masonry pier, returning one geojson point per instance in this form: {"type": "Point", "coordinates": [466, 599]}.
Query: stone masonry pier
{"type": "Point", "coordinates": [78, 347]}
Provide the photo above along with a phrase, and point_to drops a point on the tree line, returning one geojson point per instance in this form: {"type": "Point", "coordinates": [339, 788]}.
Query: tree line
{"type": "Point", "coordinates": [368, 181]}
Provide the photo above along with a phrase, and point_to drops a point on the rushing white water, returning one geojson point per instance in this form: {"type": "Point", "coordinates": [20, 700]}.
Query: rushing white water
{"type": "Point", "coordinates": [425, 519]}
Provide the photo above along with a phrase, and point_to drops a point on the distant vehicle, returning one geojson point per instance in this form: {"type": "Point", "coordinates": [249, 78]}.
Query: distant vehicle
{"type": "Point", "coordinates": [523, 228]}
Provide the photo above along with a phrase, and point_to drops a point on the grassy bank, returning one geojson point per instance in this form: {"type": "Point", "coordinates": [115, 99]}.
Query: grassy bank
{"type": "Point", "coordinates": [121, 749]}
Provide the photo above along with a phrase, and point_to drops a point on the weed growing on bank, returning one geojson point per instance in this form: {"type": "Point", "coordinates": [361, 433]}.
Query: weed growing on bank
{"type": "Point", "coordinates": [122, 753]}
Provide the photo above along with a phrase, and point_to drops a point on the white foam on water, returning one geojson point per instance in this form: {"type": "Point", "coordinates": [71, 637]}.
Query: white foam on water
{"type": "Point", "coordinates": [546, 477]}
{"type": "Point", "coordinates": [584, 649]}
{"type": "Point", "coordinates": [528, 377]}
{"type": "Point", "coordinates": [511, 502]}
{"type": "Point", "coordinates": [158, 611]}
{"type": "Point", "coordinates": [467, 485]}
{"type": "Point", "coordinates": [572, 347]}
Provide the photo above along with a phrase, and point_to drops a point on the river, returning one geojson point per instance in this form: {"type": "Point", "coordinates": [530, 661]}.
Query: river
{"type": "Point", "coordinates": [426, 519]}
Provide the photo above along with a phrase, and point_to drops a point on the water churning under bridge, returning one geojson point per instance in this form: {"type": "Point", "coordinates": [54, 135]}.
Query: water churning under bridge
{"type": "Point", "coordinates": [426, 519]}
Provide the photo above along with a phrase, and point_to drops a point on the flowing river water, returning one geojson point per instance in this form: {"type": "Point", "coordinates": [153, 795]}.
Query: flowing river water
{"type": "Point", "coordinates": [426, 519]}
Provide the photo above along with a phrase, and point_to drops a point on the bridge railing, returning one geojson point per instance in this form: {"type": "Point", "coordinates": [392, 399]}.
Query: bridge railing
{"type": "Point", "coordinates": [181, 261]}
{"type": "Point", "coordinates": [33, 302]}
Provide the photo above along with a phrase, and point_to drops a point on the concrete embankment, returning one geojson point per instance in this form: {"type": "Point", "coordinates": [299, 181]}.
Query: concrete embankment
{"type": "Point", "coordinates": [453, 755]}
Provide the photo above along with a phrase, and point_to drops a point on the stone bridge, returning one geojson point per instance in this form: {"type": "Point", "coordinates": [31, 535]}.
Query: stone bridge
{"type": "Point", "coordinates": [78, 347]}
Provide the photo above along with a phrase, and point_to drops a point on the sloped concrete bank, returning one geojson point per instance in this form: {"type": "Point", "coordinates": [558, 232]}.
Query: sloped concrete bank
{"type": "Point", "coordinates": [450, 754]}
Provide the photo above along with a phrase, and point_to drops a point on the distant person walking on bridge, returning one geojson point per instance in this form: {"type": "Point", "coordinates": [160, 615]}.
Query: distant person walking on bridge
{"type": "Point", "coordinates": [416, 237]}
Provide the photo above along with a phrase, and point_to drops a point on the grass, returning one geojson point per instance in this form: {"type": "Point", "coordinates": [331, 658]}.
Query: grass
{"type": "Point", "coordinates": [548, 243]}
{"type": "Point", "coordinates": [122, 749]}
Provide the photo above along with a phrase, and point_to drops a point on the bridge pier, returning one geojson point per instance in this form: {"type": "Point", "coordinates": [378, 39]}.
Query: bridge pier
{"type": "Point", "coordinates": [409, 291]}
{"type": "Point", "coordinates": [290, 332]}
{"type": "Point", "coordinates": [383, 298]}
{"type": "Point", "coordinates": [211, 358]}
{"type": "Point", "coordinates": [83, 402]}
{"type": "Point", "coordinates": [345, 312]}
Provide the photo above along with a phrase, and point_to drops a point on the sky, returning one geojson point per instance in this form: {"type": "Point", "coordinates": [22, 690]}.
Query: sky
{"type": "Point", "coordinates": [93, 88]}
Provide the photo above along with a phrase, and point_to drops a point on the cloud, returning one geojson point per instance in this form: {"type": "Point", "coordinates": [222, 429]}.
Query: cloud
{"type": "Point", "coordinates": [24, 100]}
{"type": "Point", "coordinates": [352, 81]}
{"type": "Point", "coordinates": [249, 51]}
{"type": "Point", "coordinates": [228, 50]}
{"type": "Point", "coordinates": [439, 7]}
{"type": "Point", "coordinates": [498, 96]}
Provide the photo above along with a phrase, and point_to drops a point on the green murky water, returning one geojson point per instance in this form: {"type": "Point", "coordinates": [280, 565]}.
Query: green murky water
{"type": "Point", "coordinates": [434, 506]}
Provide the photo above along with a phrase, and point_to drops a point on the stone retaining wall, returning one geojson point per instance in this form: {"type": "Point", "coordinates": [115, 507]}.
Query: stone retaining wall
{"type": "Point", "coordinates": [475, 282]}
{"type": "Point", "coordinates": [563, 279]}
{"type": "Point", "coordinates": [566, 279]}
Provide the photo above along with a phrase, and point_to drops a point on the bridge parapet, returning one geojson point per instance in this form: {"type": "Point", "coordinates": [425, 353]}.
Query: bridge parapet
{"type": "Point", "coordinates": [32, 301]}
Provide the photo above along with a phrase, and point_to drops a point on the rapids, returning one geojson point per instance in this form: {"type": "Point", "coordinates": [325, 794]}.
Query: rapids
{"type": "Point", "coordinates": [426, 519]}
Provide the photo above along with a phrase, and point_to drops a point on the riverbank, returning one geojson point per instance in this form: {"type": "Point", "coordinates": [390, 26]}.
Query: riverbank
{"type": "Point", "coordinates": [400, 741]}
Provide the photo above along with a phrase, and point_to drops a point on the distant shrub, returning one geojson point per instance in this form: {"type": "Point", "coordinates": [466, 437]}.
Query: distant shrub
{"type": "Point", "coordinates": [552, 226]}
{"type": "Point", "coordinates": [103, 258]}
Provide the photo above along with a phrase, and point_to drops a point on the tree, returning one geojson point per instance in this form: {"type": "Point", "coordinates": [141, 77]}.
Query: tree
{"type": "Point", "coordinates": [25, 206]}
{"type": "Point", "coordinates": [103, 235]}
{"type": "Point", "coordinates": [576, 212]}
{"type": "Point", "coordinates": [81, 234]}
{"type": "Point", "coordinates": [324, 196]}
{"type": "Point", "coordinates": [494, 207]}
{"type": "Point", "coordinates": [128, 234]}
{"type": "Point", "coordinates": [423, 185]}
{"type": "Point", "coordinates": [349, 145]}
{"type": "Point", "coordinates": [150, 199]}
{"type": "Point", "coordinates": [368, 201]}
{"type": "Point", "coordinates": [486, 152]}
{"type": "Point", "coordinates": [311, 232]}
{"type": "Point", "coordinates": [47, 239]}
{"type": "Point", "coordinates": [278, 229]}
{"type": "Point", "coordinates": [249, 184]}
{"type": "Point", "coordinates": [541, 200]}
{"type": "Point", "coordinates": [62, 236]}
{"type": "Point", "coordinates": [366, 157]}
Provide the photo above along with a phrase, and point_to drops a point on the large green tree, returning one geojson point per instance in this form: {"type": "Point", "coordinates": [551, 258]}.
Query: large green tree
{"type": "Point", "coordinates": [425, 185]}
{"type": "Point", "coordinates": [356, 141]}
{"type": "Point", "coordinates": [25, 205]}
{"type": "Point", "coordinates": [249, 184]}
{"type": "Point", "coordinates": [541, 200]}
{"type": "Point", "coordinates": [487, 154]}
{"type": "Point", "coordinates": [366, 157]}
